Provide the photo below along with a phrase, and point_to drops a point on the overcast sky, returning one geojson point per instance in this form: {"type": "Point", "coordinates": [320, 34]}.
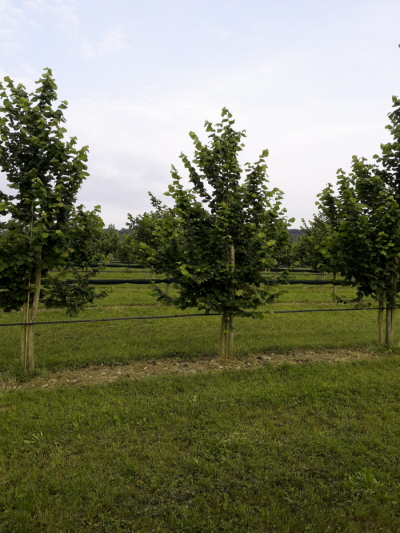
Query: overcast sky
{"type": "Point", "coordinates": [311, 81]}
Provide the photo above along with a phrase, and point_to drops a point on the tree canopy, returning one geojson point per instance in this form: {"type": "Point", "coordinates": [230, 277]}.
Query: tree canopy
{"type": "Point", "coordinates": [223, 232]}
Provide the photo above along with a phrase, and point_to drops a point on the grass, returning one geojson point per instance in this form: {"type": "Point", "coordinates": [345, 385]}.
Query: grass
{"type": "Point", "coordinates": [77, 345]}
{"type": "Point", "coordinates": [287, 449]}
{"type": "Point", "coordinates": [291, 449]}
{"type": "Point", "coordinates": [74, 345]}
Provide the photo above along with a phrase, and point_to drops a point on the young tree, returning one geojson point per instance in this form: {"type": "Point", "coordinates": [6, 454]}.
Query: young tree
{"type": "Point", "coordinates": [145, 244]}
{"type": "Point", "coordinates": [142, 226]}
{"type": "Point", "coordinates": [226, 231]}
{"type": "Point", "coordinates": [43, 231]}
{"type": "Point", "coordinates": [367, 243]}
{"type": "Point", "coordinates": [310, 243]}
{"type": "Point", "coordinates": [109, 242]}
{"type": "Point", "coordinates": [152, 247]}
{"type": "Point", "coordinates": [127, 249]}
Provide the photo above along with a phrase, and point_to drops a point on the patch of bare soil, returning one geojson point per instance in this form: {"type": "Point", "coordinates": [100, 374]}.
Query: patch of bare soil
{"type": "Point", "coordinates": [99, 375]}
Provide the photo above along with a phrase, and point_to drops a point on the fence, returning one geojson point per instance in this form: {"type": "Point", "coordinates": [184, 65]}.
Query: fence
{"type": "Point", "coordinates": [181, 316]}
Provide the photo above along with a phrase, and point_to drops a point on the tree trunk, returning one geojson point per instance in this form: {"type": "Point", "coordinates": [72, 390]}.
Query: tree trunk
{"type": "Point", "coordinates": [230, 332]}
{"type": "Point", "coordinates": [390, 309]}
{"type": "Point", "coordinates": [25, 334]}
{"type": "Point", "coordinates": [381, 327]}
{"type": "Point", "coordinates": [167, 286]}
{"type": "Point", "coordinates": [29, 312]}
{"type": "Point", "coordinates": [334, 285]}
{"type": "Point", "coordinates": [389, 329]}
{"type": "Point", "coordinates": [393, 313]}
{"type": "Point", "coordinates": [227, 336]}
{"type": "Point", "coordinates": [231, 318]}
{"type": "Point", "coordinates": [223, 343]}
{"type": "Point", "coordinates": [227, 320]}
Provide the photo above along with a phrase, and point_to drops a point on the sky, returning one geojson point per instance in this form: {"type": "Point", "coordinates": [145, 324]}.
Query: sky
{"type": "Point", "coordinates": [310, 80]}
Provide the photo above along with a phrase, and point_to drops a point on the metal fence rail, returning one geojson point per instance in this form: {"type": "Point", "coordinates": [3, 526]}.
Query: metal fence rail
{"type": "Point", "coordinates": [180, 316]}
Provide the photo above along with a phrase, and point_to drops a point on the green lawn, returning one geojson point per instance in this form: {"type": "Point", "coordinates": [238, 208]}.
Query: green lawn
{"type": "Point", "coordinates": [294, 448]}
{"type": "Point", "coordinates": [289, 449]}
{"type": "Point", "coordinates": [75, 345]}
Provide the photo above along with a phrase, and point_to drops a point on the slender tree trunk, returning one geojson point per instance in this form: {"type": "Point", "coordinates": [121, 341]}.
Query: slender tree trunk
{"type": "Point", "coordinates": [390, 309]}
{"type": "Point", "coordinates": [231, 318]}
{"type": "Point", "coordinates": [393, 313]}
{"type": "Point", "coordinates": [381, 327]}
{"type": "Point", "coordinates": [388, 324]}
{"type": "Point", "coordinates": [29, 312]}
{"type": "Point", "coordinates": [334, 286]}
{"type": "Point", "coordinates": [223, 343]}
{"type": "Point", "coordinates": [227, 320]}
{"type": "Point", "coordinates": [227, 336]}
{"type": "Point", "coordinates": [394, 288]}
{"type": "Point", "coordinates": [25, 312]}
{"type": "Point", "coordinates": [231, 331]}
{"type": "Point", "coordinates": [25, 334]}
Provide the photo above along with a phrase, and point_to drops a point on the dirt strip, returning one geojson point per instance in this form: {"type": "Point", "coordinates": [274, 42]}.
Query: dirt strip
{"type": "Point", "coordinates": [98, 375]}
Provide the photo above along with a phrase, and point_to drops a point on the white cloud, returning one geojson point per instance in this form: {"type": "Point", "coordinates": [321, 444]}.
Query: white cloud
{"type": "Point", "coordinates": [64, 10]}
{"type": "Point", "coordinates": [87, 50]}
{"type": "Point", "coordinates": [16, 22]}
{"type": "Point", "coordinates": [63, 14]}
{"type": "Point", "coordinates": [112, 41]}
{"type": "Point", "coordinates": [222, 34]}
{"type": "Point", "coordinates": [10, 25]}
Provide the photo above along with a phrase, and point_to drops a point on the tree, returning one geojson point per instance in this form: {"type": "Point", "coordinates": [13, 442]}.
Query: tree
{"type": "Point", "coordinates": [45, 238]}
{"type": "Point", "coordinates": [310, 243]}
{"type": "Point", "coordinates": [315, 240]}
{"type": "Point", "coordinates": [225, 231]}
{"type": "Point", "coordinates": [109, 241]}
{"type": "Point", "coordinates": [152, 247]}
{"type": "Point", "coordinates": [142, 226]}
{"type": "Point", "coordinates": [367, 243]}
{"type": "Point", "coordinates": [145, 244]}
{"type": "Point", "coordinates": [127, 249]}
